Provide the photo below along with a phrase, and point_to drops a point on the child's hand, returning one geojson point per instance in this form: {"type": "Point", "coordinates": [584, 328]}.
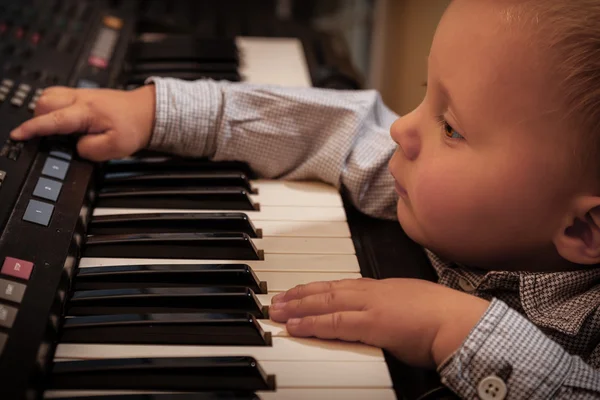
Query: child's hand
{"type": "Point", "coordinates": [420, 322]}
{"type": "Point", "coordinates": [119, 123]}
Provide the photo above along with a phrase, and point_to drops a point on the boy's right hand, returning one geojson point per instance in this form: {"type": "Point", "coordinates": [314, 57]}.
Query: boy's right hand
{"type": "Point", "coordinates": [115, 123]}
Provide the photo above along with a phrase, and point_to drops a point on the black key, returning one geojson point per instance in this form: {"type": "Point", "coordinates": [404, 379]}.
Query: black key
{"type": "Point", "coordinates": [153, 67]}
{"type": "Point", "coordinates": [187, 76]}
{"type": "Point", "coordinates": [240, 329]}
{"type": "Point", "coordinates": [186, 179]}
{"type": "Point", "coordinates": [185, 48]}
{"type": "Point", "coordinates": [167, 374]}
{"type": "Point", "coordinates": [230, 198]}
{"type": "Point", "coordinates": [194, 275]}
{"type": "Point", "coordinates": [203, 246]}
{"type": "Point", "coordinates": [166, 300]}
{"type": "Point", "coordinates": [170, 396]}
{"type": "Point", "coordinates": [174, 223]}
{"type": "Point", "coordinates": [160, 163]}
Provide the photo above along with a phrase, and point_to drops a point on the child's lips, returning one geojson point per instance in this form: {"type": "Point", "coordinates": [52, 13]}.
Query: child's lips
{"type": "Point", "coordinates": [400, 190]}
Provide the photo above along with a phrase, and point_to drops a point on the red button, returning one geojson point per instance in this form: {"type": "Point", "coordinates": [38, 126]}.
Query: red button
{"type": "Point", "coordinates": [17, 268]}
{"type": "Point", "coordinates": [3, 28]}
{"type": "Point", "coordinates": [97, 62]}
{"type": "Point", "coordinates": [35, 38]}
{"type": "Point", "coordinates": [19, 33]}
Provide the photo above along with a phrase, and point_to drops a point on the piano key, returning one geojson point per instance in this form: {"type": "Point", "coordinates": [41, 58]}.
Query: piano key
{"type": "Point", "coordinates": [129, 395]}
{"type": "Point", "coordinates": [326, 375]}
{"type": "Point", "coordinates": [305, 245]}
{"type": "Point", "coordinates": [207, 245]}
{"type": "Point", "coordinates": [266, 213]}
{"type": "Point", "coordinates": [239, 329]}
{"type": "Point", "coordinates": [294, 193]}
{"type": "Point", "coordinates": [328, 394]}
{"type": "Point", "coordinates": [177, 374]}
{"type": "Point", "coordinates": [283, 349]}
{"type": "Point", "coordinates": [184, 178]}
{"type": "Point", "coordinates": [345, 263]}
{"type": "Point", "coordinates": [231, 246]}
{"type": "Point", "coordinates": [277, 281]}
{"type": "Point", "coordinates": [172, 222]}
{"type": "Point", "coordinates": [221, 198]}
{"type": "Point", "coordinates": [192, 275]}
{"type": "Point", "coordinates": [279, 394]}
{"type": "Point", "coordinates": [213, 222]}
{"type": "Point", "coordinates": [165, 300]}
{"type": "Point", "coordinates": [270, 193]}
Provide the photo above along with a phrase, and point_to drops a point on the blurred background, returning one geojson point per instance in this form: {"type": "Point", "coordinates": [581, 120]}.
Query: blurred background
{"type": "Point", "coordinates": [387, 40]}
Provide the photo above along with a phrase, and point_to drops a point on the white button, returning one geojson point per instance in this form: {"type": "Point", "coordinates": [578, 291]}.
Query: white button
{"type": "Point", "coordinates": [492, 388]}
{"type": "Point", "coordinates": [465, 285]}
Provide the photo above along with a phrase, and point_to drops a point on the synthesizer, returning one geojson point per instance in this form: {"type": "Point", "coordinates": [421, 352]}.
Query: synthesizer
{"type": "Point", "coordinates": [150, 277]}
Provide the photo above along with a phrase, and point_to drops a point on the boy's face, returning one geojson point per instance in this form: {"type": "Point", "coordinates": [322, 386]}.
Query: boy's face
{"type": "Point", "coordinates": [491, 188]}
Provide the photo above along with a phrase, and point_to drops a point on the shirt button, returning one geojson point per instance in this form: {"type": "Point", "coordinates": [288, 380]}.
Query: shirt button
{"type": "Point", "coordinates": [465, 285]}
{"type": "Point", "coordinates": [492, 388]}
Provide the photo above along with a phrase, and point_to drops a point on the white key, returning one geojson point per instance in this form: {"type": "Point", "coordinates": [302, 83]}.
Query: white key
{"type": "Point", "coordinates": [303, 228]}
{"type": "Point", "coordinates": [283, 349]}
{"type": "Point", "coordinates": [272, 262]}
{"type": "Point", "coordinates": [279, 394]}
{"type": "Point", "coordinates": [282, 281]}
{"type": "Point", "coordinates": [305, 245]}
{"type": "Point", "coordinates": [329, 394]}
{"type": "Point", "coordinates": [288, 193]}
{"type": "Point", "coordinates": [276, 281]}
{"type": "Point", "coordinates": [266, 213]}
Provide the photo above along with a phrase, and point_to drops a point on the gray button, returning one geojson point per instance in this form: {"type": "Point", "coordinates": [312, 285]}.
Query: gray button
{"type": "Point", "coordinates": [38, 212]}
{"type": "Point", "coordinates": [55, 168]}
{"type": "Point", "coordinates": [61, 154]}
{"type": "Point", "coordinates": [3, 339]}
{"type": "Point", "coordinates": [492, 388]}
{"type": "Point", "coordinates": [11, 291]}
{"type": "Point", "coordinates": [7, 82]}
{"type": "Point", "coordinates": [7, 315]}
{"type": "Point", "coordinates": [2, 175]}
{"type": "Point", "coordinates": [16, 101]}
{"type": "Point", "coordinates": [48, 189]}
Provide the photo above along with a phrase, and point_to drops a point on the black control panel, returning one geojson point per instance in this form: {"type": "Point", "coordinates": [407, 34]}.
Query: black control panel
{"type": "Point", "coordinates": [44, 187]}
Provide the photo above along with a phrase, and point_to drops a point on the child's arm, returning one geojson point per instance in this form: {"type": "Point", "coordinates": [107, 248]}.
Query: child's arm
{"type": "Point", "coordinates": [474, 343]}
{"type": "Point", "coordinates": [339, 137]}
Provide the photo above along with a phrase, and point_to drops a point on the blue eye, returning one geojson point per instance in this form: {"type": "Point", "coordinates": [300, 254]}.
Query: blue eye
{"type": "Point", "coordinates": [450, 132]}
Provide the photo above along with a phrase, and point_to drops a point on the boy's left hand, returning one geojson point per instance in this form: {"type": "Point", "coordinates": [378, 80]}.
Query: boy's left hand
{"type": "Point", "coordinates": [420, 322]}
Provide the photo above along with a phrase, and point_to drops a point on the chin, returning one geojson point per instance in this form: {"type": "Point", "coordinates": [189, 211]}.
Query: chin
{"type": "Point", "coordinates": [409, 224]}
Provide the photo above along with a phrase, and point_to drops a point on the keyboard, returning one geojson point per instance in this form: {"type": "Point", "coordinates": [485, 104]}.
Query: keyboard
{"type": "Point", "coordinates": [150, 277]}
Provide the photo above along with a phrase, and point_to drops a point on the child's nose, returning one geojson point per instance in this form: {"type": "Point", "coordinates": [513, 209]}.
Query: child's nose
{"type": "Point", "coordinates": [405, 133]}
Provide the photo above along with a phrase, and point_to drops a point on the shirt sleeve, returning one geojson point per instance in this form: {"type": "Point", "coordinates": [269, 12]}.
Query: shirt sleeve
{"type": "Point", "coordinates": [507, 353]}
{"type": "Point", "coordinates": [338, 137]}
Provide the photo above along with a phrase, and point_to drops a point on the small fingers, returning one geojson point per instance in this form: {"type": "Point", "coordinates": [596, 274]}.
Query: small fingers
{"type": "Point", "coordinates": [49, 101]}
{"type": "Point", "coordinates": [76, 118]}
{"type": "Point", "coordinates": [317, 304]}
{"type": "Point", "coordinates": [310, 289]}
{"type": "Point", "coordinates": [351, 326]}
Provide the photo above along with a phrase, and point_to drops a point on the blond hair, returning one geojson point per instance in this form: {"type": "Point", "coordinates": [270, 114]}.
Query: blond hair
{"type": "Point", "coordinates": [571, 30]}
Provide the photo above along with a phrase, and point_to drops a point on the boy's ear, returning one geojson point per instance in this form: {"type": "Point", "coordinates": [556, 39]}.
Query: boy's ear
{"type": "Point", "coordinates": [578, 240]}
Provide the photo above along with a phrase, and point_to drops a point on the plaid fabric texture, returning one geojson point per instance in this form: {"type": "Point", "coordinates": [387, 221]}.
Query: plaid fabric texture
{"type": "Point", "coordinates": [342, 138]}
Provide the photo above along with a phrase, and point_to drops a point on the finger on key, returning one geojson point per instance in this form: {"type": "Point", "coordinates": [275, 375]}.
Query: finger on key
{"type": "Point", "coordinates": [318, 304]}
{"type": "Point", "coordinates": [309, 289]}
{"type": "Point", "coordinates": [76, 118]}
{"type": "Point", "coordinates": [351, 326]}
